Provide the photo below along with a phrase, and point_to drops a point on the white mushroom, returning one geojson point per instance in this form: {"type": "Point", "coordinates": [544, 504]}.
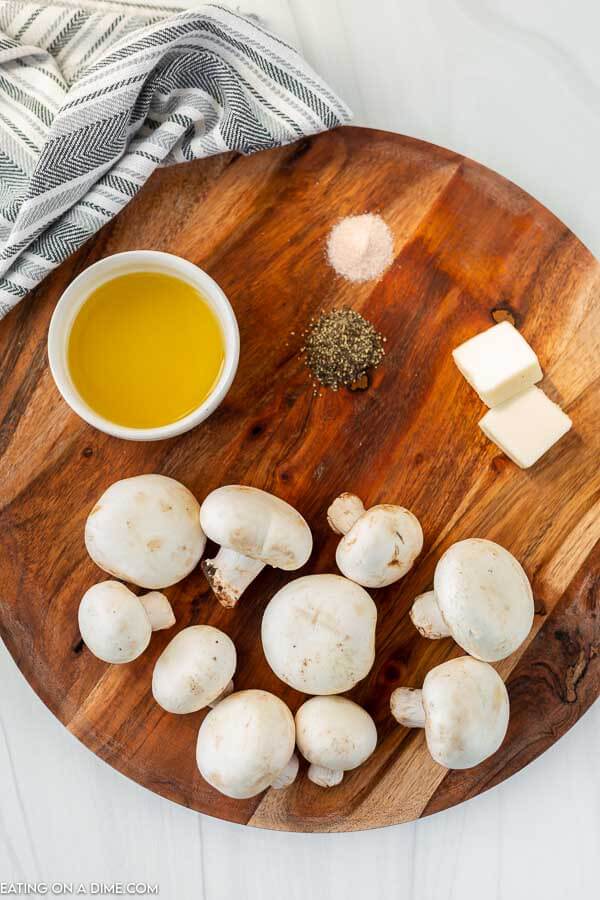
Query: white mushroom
{"type": "Point", "coordinates": [116, 625]}
{"type": "Point", "coordinates": [334, 735]}
{"type": "Point", "coordinates": [463, 708]}
{"type": "Point", "coordinates": [318, 634]}
{"type": "Point", "coordinates": [194, 670]}
{"type": "Point", "coordinates": [254, 529]}
{"type": "Point", "coordinates": [481, 597]}
{"type": "Point", "coordinates": [246, 744]}
{"type": "Point", "coordinates": [379, 545]}
{"type": "Point", "coordinates": [145, 530]}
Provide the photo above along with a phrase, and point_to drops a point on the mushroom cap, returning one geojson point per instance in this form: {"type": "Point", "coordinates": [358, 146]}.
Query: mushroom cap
{"type": "Point", "coordinates": [245, 742]}
{"type": "Point", "coordinates": [257, 524]}
{"type": "Point", "coordinates": [485, 598]}
{"type": "Point", "coordinates": [193, 669]}
{"type": "Point", "coordinates": [318, 634]}
{"type": "Point", "coordinates": [146, 530]}
{"type": "Point", "coordinates": [381, 546]}
{"type": "Point", "coordinates": [113, 622]}
{"type": "Point", "coordinates": [466, 712]}
{"type": "Point", "coordinates": [335, 733]}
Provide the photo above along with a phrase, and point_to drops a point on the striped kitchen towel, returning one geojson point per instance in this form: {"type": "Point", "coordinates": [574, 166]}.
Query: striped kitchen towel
{"type": "Point", "coordinates": [92, 100]}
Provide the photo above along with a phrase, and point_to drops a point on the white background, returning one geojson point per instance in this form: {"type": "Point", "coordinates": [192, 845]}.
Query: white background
{"type": "Point", "coordinates": [516, 85]}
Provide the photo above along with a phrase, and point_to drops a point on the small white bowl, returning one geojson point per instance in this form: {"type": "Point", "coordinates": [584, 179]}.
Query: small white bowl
{"type": "Point", "coordinates": [105, 270]}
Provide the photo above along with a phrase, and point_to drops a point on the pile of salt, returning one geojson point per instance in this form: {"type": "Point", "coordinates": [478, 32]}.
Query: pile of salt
{"type": "Point", "coordinates": [360, 247]}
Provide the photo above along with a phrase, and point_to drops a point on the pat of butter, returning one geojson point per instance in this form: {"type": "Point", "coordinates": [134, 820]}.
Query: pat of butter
{"type": "Point", "coordinates": [498, 363]}
{"type": "Point", "coordinates": [526, 426]}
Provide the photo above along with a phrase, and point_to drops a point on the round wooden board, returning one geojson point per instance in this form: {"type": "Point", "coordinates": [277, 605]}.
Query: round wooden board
{"type": "Point", "coordinates": [469, 247]}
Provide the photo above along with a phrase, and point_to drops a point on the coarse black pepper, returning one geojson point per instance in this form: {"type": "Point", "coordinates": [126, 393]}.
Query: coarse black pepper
{"type": "Point", "coordinates": [340, 347]}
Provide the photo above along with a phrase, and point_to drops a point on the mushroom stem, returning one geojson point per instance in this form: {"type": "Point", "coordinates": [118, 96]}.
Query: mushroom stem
{"type": "Point", "coordinates": [230, 573]}
{"type": "Point", "coordinates": [427, 617]}
{"type": "Point", "coordinates": [228, 689]}
{"type": "Point", "coordinates": [406, 705]}
{"type": "Point", "coordinates": [158, 609]}
{"type": "Point", "coordinates": [325, 777]}
{"type": "Point", "coordinates": [344, 512]}
{"type": "Point", "coordinates": [287, 775]}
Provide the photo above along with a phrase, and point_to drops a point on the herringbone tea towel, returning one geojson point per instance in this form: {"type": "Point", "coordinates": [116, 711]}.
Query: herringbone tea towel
{"type": "Point", "coordinates": [92, 100]}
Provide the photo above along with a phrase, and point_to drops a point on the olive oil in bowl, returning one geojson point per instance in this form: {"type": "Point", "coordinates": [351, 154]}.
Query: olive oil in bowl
{"type": "Point", "coordinates": [145, 350]}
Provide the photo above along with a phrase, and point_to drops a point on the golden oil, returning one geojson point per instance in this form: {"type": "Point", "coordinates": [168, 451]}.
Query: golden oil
{"type": "Point", "coordinates": [145, 350]}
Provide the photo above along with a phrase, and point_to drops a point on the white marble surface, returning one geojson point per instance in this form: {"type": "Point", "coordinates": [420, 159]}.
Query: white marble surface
{"type": "Point", "coordinates": [516, 85]}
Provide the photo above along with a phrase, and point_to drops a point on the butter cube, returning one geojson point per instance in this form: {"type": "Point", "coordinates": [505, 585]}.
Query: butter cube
{"type": "Point", "coordinates": [526, 426]}
{"type": "Point", "coordinates": [498, 363]}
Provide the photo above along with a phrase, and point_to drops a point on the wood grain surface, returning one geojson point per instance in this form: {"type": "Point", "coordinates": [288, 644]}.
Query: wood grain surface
{"type": "Point", "coordinates": [469, 247]}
